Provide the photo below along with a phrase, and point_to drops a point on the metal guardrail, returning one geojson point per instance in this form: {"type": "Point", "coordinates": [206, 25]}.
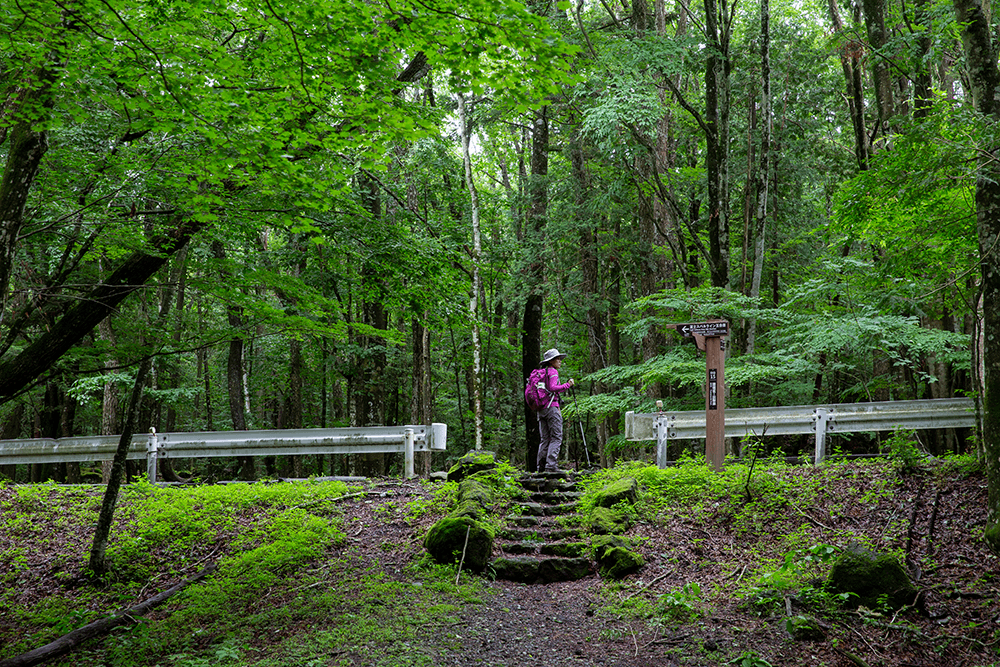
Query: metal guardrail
{"type": "Point", "coordinates": [154, 446]}
{"type": "Point", "coordinates": [803, 419]}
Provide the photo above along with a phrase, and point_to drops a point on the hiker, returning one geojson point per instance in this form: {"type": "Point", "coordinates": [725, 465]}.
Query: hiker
{"type": "Point", "coordinates": [550, 422]}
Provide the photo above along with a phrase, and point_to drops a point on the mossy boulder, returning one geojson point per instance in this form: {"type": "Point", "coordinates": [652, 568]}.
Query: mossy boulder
{"type": "Point", "coordinates": [473, 462]}
{"type": "Point", "coordinates": [804, 629]}
{"type": "Point", "coordinates": [446, 540]}
{"type": "Point", "coordinates": [605, 521]}
{"type": "Point", "coordinates": [625, 489]}
{"type": "Point", "coordinates": [872, 578]}
{"type": "Point", "coordinates": [614, 559]}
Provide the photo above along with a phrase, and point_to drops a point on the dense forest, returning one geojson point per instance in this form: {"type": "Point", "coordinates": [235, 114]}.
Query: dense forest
{"type": "Point", "coordinates": [312, 214]}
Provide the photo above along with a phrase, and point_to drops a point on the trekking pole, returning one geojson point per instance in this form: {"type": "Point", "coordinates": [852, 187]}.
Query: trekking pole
{"type": "Point", "coordinates": [580, 423]}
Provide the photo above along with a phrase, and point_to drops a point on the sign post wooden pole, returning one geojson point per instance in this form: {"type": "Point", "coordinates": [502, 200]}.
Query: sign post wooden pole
{"type": "Point", "coordinates": [715, 403]}
{"type": "Point", "coordinates": [708, 337]}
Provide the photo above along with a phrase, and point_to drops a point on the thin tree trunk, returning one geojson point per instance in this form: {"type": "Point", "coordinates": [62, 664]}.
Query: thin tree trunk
{"type": "Point", "coordinates": [110, 396]}
{"type": "Point", "coordinates": [98, 552]}
{"type": "Point", "coordinates": [370, 393]}
{"type": "Point", "coordinates": [850, 63]}
{"type": "Point", "coordinates": [763, 169]}
{"type": "Point", "coordinates": [878, 36]}
{"type": "Point", "coordinates": [234, 375]}
{"type": "Point", "coordinates": [477, 251]}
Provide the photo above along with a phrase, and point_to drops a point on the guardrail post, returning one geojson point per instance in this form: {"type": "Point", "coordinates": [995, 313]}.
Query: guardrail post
{"type": "Point", "coordinates": [152, 451]}
{"type": "Point", "coordinates": [661, 436]}
{"type": "Point", "coordinates": [820, 424]}
{"type": "Point", "coordinates": [408, 453]}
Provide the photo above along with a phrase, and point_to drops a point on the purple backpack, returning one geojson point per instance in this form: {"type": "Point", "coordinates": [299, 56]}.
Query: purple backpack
{"type": "Point", "coordinates": [536, 397]}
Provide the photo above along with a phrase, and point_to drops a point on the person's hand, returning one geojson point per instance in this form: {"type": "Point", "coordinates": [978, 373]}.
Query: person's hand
{"type": "Point", "coordinates": [572, 382]}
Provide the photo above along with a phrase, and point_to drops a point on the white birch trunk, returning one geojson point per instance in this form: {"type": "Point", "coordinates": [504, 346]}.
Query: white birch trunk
{"type": "Point", "coordinates": [477, 366]}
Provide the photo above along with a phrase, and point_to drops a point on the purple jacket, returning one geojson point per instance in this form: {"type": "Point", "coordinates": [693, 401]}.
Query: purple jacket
{"type": "Point", "coordinates": [553, 387]}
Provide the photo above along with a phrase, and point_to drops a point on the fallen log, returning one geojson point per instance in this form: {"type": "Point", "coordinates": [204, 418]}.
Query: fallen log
{"type": "Point", "coordinates": [71, 640]}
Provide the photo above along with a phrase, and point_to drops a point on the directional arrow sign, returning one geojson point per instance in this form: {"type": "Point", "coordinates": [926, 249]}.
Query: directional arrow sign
{"type": "Point", "coordinates": [707, 329]}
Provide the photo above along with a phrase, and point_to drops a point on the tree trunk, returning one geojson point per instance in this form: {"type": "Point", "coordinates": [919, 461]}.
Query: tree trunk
{"type": "Point", "coordinates": [420, 405]}
{"type": "Point", "coordinates": [597, 343]}
{"type": "Point", "coordinates": [110, 396]}
{"type": "Point", "coordinates": [98, 551]}
{"type": "Point", "coordinates": [878, 36]}
{"type": "Point", "coordinates": [531, 332]}
{"type": "Point", "coordinates": [370, 393]}
{"type": "Point", "coordinates": [11, 430]}
{"type": "Point", "coordinates": [923, 97]}
{"type": "Point", "coordinates": [477, 251]}
{"type": "Point", "coordinates": [851, 64]}
{"type": "Point", "coordinates": [764, 167]}
{"type": "Point", "coordinates": [26, 146]}
{"type": "Point", "coordinates": [234, 373]}
{"type": "Point", "coordinates": [717, 138]}
{"type": "Point", "coordinates": [984, 76]}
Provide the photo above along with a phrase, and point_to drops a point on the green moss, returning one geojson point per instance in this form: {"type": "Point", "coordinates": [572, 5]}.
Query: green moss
{"type": "Point", "coordinates": [472, 490]}
{"type": "Point", "coordinates": [992, 536]}
{"type": "Point", "coordinates": [472, 463]}
{"type": "Point", "coordinates": [605, 521]}
{"type": "Point", "coordinates": [625, 489]}
{"type": "Point", "coordinates": [804, 629]}
{"type": "Point", "coordinates": [874, 579]}
{"type": "Point", "coordinates": [449, 537]}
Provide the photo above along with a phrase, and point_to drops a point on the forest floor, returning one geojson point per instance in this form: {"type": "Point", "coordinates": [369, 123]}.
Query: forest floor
{"type": "Point", "coordinates": [724, 571]}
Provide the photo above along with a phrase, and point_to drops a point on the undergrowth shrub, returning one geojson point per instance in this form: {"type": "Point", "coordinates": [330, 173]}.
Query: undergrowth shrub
{"type": "Point", "coordinates": [686, 483]}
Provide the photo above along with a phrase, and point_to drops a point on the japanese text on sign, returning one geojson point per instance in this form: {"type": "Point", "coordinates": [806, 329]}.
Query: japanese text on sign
{"type": "Point", "coordinates": [708, 329]}
{"type": "Point", "coordinates": [713, 389]}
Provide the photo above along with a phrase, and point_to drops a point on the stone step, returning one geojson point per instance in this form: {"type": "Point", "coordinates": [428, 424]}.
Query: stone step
{"type": "Point", "coordinates": [543, 483]}
{"type": "Point", "coordinates": [540, 533]}
{"type": "Point", "coordinates": [555, 497]}
{"type": "Point", "coordinates": [561, 549]}
{"type": "Point", "coordinates": [537, 534]}
{"type": "Point", "coordinates": [540, 509]}
{"type": "Point", "coordinates": [523, 521]}
{"type": "Point", "coordinates": [543, 570]}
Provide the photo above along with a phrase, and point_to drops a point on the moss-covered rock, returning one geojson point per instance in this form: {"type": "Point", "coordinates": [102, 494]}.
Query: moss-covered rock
{"type": "Point", "coordinates": [804, 629]}
{"type": "Point", "coordinates": [605, 521]}
{"type": "Point", "coordinates": [873, 578]}
{"type": "Point", "coordinates": [446, 540]}
{"type": "Point", "coordinates": [614, 558]}
{"type": "Point", "coordinates": [625, 489]}
{"type": "Point", "coordinates": [473, 462]}
{"type": "Point", "coordinates": [619, 562]}
{"type": "Point", "coordinates": [472, 490]}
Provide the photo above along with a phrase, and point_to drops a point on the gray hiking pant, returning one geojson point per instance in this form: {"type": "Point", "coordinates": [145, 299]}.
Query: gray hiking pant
{"type": "Point", "coordinates": [550, 427]}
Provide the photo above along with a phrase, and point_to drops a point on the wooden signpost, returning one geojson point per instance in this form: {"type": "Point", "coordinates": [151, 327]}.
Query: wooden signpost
{"type": "Point", "coordinates": [708, 337]}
